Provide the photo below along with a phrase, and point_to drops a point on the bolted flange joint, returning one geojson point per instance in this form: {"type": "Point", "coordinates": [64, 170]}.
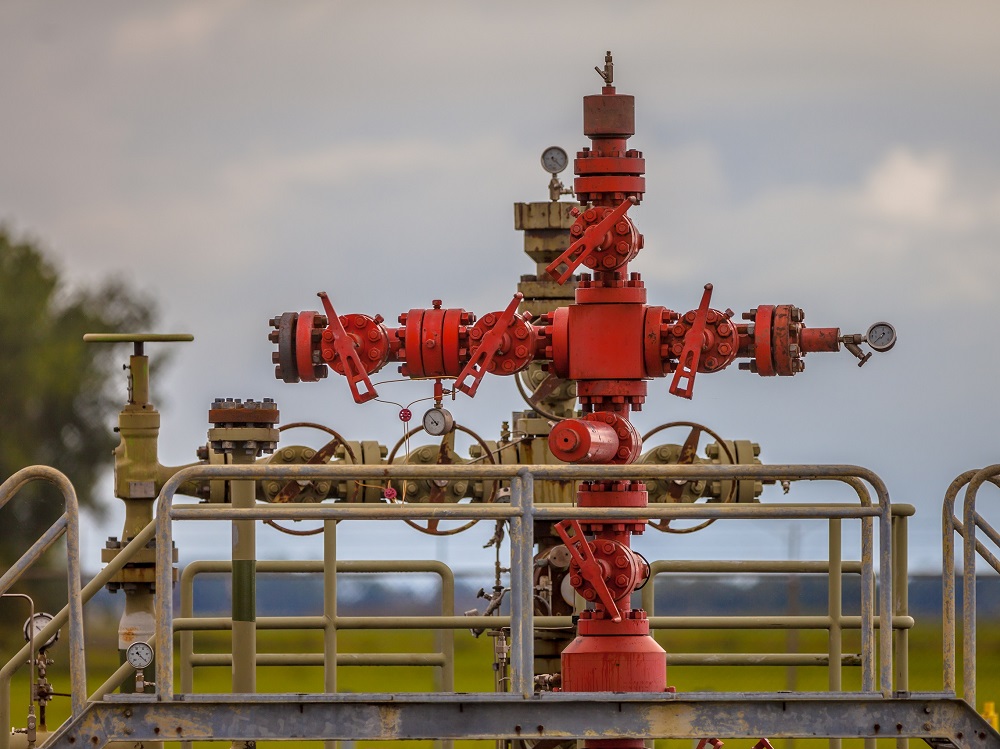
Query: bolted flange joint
{"type": "Point", "coordinates": [243, 427]}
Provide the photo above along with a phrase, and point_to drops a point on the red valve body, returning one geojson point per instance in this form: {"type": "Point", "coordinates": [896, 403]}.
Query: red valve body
{"type": "Point", "coordinates": [611, 342]}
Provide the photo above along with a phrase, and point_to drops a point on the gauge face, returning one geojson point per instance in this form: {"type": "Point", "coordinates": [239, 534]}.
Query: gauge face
{"type": "Point", "coordinates": [36, 624]}
{"type": "Point", "coordinates": [881, 336]}
{"type": "Point", "coordinates": [437, 421]}
{"type": "Point", "coordinates": [139, 655]}
{"type": "Point", "coordinates": [554, 159]}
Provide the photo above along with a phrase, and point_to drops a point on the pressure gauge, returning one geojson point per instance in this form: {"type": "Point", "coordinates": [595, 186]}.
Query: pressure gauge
{"type": "Point", "coordinates": [139, 655]}
{"type": "Point", "coordinates": [437, 421]}
{"type": "Point", "coordinates": [554, 159]}
{"type": "Point", "coordinates": [881, 336]}
{"type": "Point", "coordinates": [36, 624]}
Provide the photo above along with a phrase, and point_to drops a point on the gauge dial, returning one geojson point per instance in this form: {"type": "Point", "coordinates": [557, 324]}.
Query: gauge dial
{"type": "Point", "coordinates": [554, 160]}
{"type": "Point", "coordinates": [139, 655]}
{"type": "Point", "coordinates": [36, 624]}
{"type": "Point", "coordinates": [881, 336]}
{"type": "Point", "coordinates": [437, 422]}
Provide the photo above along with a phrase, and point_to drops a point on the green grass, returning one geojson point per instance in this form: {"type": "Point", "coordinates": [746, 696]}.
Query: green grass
{"type": "Point", "coordinates": [473, 668]}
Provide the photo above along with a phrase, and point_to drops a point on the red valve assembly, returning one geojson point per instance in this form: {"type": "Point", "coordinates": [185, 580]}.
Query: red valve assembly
{"type": "Point", "coordinates": [611, 342]}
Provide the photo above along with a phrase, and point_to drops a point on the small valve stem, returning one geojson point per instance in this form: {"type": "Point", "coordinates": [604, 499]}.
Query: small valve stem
{"type": "Point", "coordinates": [851, 342]}
{"type": "Point", "coordinates": [608, 74]}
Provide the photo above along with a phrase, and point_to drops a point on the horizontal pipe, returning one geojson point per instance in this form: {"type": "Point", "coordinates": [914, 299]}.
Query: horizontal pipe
{"type": "Point", "coordinates": [215, 623]}
{"type": "Point", "coordinates": [758, 659]}
{"type": "Point", "coordinates": [809, 472]}
{"type": "Point", "coordinates": [316, 659]}
{"type": "Point", "coordinates": [218, 623]}
{"type": "Point", "coordinates": [750, 566]}
{"type": "Point", "coordinates": [344, 511]}
{"type": "Point", "coordinates": [767, 622]}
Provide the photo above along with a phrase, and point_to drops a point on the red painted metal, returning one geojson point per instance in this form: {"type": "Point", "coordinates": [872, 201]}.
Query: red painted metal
{"type": "Point", "coordinates": [580, 441]}
{"type": "Point", "coordinates": [820, 339]}
{"type": "Point", "coordinates": [611, 343]}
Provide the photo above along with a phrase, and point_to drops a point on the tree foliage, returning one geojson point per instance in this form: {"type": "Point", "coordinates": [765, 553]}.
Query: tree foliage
{"type": "Point", "coordinates": [57, 393]}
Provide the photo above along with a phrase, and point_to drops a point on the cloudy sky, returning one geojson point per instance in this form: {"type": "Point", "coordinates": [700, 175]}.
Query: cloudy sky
{"type": "Point", "coordinates": [232, 159]}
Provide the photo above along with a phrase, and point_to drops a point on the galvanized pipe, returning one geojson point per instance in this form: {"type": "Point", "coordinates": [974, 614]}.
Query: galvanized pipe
{"type": "Point", "coordinates": [969, 582]}
{"type": "Point", "coordinates": [522, 492]}
{"type": "Point", "coordinates": [901, 607]}
{"type": "Point", "coordinates": [74, 608]}
{"type": "Point", "coordinates": [521, 507]}
{"type": "Point", "coordinates": [318, 659]}
{"type": "Point", "coordinates": [33, 554]}
{"type": "Point", "coordinates": [950, 525]}
{"type": "Point", "coordinates": [835, 640]}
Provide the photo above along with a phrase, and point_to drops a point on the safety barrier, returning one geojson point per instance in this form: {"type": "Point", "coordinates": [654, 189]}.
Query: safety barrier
{"type": "Point", "coordinates": [971, 523]}
{"type": "Point", "coordinates": [522, 512]}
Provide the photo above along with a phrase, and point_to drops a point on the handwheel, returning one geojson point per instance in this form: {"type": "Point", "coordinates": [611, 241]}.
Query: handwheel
{"type": "Point", "coordinates": [438, 486]}
{"type": "Point", "coordinates": [689, 450]}
{"type": "Point", "coordinates": [292, 489]}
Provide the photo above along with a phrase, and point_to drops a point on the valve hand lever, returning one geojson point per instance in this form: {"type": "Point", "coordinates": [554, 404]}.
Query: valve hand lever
{"type": "Point", "coordinates": [577, 252]}
{"type": "Point", "coordinates": [591, 571]}
{"type": "Point", "coordinates": [480, 360]}
{"type": "Point", "coordinates": [343, 347]}
{"type": "Point", "coordinates": [687, 364]}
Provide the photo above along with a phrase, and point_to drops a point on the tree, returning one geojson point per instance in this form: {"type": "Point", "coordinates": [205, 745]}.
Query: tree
{"type": "Point", "coordinates": [57, 393]}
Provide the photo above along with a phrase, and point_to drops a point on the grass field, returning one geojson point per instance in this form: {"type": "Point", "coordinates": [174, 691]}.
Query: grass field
{"type": "Point", "coordinates": [473, 669]}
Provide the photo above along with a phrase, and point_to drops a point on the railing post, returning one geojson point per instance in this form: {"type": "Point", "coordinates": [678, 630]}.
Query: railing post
{"type": "Point", "coordinates": [835, 603]}
{"type": "Point", "coordinates": [330, 611]}
{"type": "Point", "coordinates": [521, 579]}
{"type": "Point", "coordinates": [901, 598]}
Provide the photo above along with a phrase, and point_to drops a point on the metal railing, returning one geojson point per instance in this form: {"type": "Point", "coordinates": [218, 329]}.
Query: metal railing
{"type": "Point", "coordinates": [522, 512]}
{"type": "Point", "coordinates": [67, 524]}
{"type": "Point", "coordinates": [188, 624]}
{"type": "Point", "coordinates": [967, 528]}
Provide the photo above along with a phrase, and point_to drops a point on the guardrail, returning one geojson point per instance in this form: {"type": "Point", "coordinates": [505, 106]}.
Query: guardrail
{"type": "Point", "coordinates": [522, 512]}
{"type": "Point", "coordinates": [67, 524]}
{"type": "Point", "coordinates": [972, 546]}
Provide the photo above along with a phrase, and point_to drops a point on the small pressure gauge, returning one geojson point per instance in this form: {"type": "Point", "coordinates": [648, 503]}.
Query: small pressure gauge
{"type": "Point", "coordinates": [36, 624]}
{"type": "Point", "coordinates": [881, 336]}
{"type": "Point", "coordinates": [139, 655]}
{"type": "Point", "coordinates": [437, 421]}
{"type": "Point", "coordinates": [554, 160]}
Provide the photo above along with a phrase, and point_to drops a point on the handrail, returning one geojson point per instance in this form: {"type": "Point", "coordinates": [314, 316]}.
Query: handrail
{"type": "Point", "coordinates": [950, 526]}
{"type": "Point", "coordinates": [971, 520]}
{"type": "Point", "coordinates": [68, 524]}
{"type": "Point", "coordinates": [88, 591]}
{"type": "Point", "coordinates": [521, 512]}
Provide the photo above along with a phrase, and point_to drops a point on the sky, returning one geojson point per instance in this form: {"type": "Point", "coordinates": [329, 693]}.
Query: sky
{"type": "Point", "coordinates": [231, 159]}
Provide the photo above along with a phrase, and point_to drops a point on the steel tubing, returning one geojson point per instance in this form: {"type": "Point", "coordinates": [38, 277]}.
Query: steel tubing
{"type": "Point", "coordinates": [74, 608]}
{"type": "Point", "coordinates": [969, 516]}
{"type": "Point", "coordinates": [522, 513]}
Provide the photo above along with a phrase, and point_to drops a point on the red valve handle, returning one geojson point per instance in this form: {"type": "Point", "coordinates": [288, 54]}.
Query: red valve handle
{"type": "Point", "coordinates": [577, 252]}
{"type": "Point", "coordinates": [343, 346]}
{"type": "Point", "coordinates": [580, 550]}
{"type": "Point", "coordinates": [480, 360]}
{"type": "Point", "coordinates": [687, 363]}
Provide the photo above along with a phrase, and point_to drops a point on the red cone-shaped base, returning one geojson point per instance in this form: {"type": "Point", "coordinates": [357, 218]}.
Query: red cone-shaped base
{"type": "Point", "coordinates": [614, 663]}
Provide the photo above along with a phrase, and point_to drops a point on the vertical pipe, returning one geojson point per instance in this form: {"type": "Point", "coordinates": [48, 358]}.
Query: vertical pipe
{"type": "Point", "coordinates": [244, 577]}
{"type": "Point", "coordinates": [900, 594]}
{"type": "Point", "coordinates": [187, 638]}
{"type": "Point", "coordinates": [867, 607]}
{"type": "Point", "coordinates": [949, 525]}
{"type": "Point", "coordinates": [885, 598]}
{"type": "Point", "coordinates": [164, 599]}
{"type": "Point", "coordinates": [521, 625]}
{"type": "Point", "coordinates": [969, 596]}
{"type": "Point", "coordinates": [330, 612]}
{"type": "Point", "coordinates": [446, 639]}
{"type": "Point", "coordinates": [835, 603]}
